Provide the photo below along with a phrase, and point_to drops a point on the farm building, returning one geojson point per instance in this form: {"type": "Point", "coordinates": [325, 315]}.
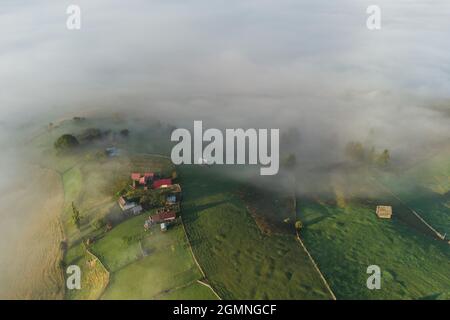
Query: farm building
{"type": "Point", "coordinates": [171, 199]}
{"type": "Point", "coordinates": [142, 180]}
{"type": "Point", "coordinates": [173, 195]}
{"type": "Point", "coordinates": [129, 207]}
{"type": "Point", "coordinates": [384, 212]}
{"type": "Point", "coordinates": [162, 183]}
{"type": "Point", "coordinates": [164, 216]}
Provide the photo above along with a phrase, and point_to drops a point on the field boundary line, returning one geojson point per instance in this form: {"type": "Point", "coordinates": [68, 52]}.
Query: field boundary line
{"type": "Point", "coordinates": [437, 233]}
{"type": "Point", "coordinates": [297, 236]}
{"type": "Point", "coordinates": [196, 262]}
{"type": "Point", "coordinates": [106, 269]}
{"type": "Point", "coordinates": [316, 267]}
{"type": "Point", "coordinates": [210, 287]}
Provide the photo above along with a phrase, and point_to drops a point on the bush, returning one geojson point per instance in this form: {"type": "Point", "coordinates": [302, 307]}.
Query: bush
{"type": "Point", "coordinates": [76, 217]}
{"type": "Point", "coordinates": [99, 223]}
{"type": "Point", "coordinates": [298, 225]}
{"type": "Point", "coordinates": [63, 245]}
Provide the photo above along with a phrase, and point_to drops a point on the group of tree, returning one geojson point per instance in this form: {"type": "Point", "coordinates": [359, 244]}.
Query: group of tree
{"type": "Point", "coordinates": [150, 198]}
{"type": "Point", "coordinates": [91, 134]}
{"type": "Point", "coordinates": [68, 141]}
{"type": "Point", "coordinates": [357, 152]}
{"type": "Point", "coordinates": [124, 132]}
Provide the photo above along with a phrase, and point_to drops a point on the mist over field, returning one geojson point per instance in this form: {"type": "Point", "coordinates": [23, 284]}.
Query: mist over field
{"type": "Point", "coordinates": [310, 65]}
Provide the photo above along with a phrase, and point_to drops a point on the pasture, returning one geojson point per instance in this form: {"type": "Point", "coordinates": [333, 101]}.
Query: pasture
{"type": "Point", "coordinates": [345, 240]}
{"type": "Point", "coordinates": [239, 260]}
{"type": "Point", "coordinates": [142, 264]}
{"type": "Point", "coordinates": [149, 264]}
{"type": "Point", "coordinates": [425, 188]}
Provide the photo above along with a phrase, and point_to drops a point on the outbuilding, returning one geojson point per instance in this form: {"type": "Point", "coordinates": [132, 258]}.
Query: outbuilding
{"type": "Point", "coordinates": [384, 212]}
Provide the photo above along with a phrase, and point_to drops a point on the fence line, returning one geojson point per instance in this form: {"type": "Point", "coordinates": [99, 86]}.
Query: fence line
{"type": "Point", "coordinates": [316, 267]}
{"type": "Point", "coordinates": [310, 256]}
{"type": "Point", "coordinates": [196, 262]}
{"type": "Point", "coordinates": [103, 266]}
{"type": "Point", "coordinates": [418, 216]}
{"type": "Point", "coordinates": [210, 287]}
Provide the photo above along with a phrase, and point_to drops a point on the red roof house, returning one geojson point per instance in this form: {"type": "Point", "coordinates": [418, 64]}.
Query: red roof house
{"type": "Point", "coordinates": [135, 176]}
{"type": "Point", "coordinates": [163, 217]}
{"type": "Point", "coordinates": [141, 179]}
{"type": "Point", "coordinates": [149, 175]}
{"type": "Point", "coordinates": [162, 182]}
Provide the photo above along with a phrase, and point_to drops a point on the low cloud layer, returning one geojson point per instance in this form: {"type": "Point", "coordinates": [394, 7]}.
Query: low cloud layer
{"type": "Point", "coordinates": [269, 63]}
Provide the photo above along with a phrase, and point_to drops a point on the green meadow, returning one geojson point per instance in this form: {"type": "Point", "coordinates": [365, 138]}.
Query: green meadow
{"type": "Point", "coordinates": [240, 261]}
{"type": "Point", "coordinates": [142, 264]}
{"type": "Point", "coordinates": [133, 263]}
{"type": "Point", "coordinates": [154, 265]}
{"type": "Point", "coordinates": [344, 241]}
{"type": "Point", "coordinates": [425, 188]}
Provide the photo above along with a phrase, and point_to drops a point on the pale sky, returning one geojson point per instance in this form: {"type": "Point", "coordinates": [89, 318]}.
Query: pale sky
{"type": "Point", "coordinates": [311, 63]}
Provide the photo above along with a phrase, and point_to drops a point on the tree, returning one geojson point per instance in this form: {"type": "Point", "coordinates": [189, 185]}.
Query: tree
{"type": "Point", "coordinates": [290, 161]}
{"type": "Point", "coordinates": [66, 141]}
{"type": "Point", "coordinates": [76, 217]}
{"type": "Point", "coordinates": [384, 158]}
{"type": "Point", "coordinates": [355, 150]}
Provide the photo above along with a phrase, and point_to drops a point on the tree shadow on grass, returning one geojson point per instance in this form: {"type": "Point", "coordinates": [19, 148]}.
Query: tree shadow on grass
{"type": "Point", "coordinates": [316, 206]}
{"type": "Point", "coordinates": [190, 212]}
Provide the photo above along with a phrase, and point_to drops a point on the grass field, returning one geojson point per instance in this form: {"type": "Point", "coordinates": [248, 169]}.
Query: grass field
{"type": "Point", "coordinates": [239, 260]}
{"type": "Point", "coordinates": [94, 277]}
{"type": "Point", "coordinates": [426, 188]}
{"type": "Point", "coordinates": [194, 291]}
{"type": "Point", "coordinates": [141, 265]}
{"type": "Point", "coordinates": [273, 211]}
{"type": "Point", "coordinates": [345, 240]}
{"type": "Point", "coordinates": [154, 265]}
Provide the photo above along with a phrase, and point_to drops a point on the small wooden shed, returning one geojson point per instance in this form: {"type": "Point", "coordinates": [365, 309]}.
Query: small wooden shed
{"type": "Point", "coordinates": [384, 212]}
